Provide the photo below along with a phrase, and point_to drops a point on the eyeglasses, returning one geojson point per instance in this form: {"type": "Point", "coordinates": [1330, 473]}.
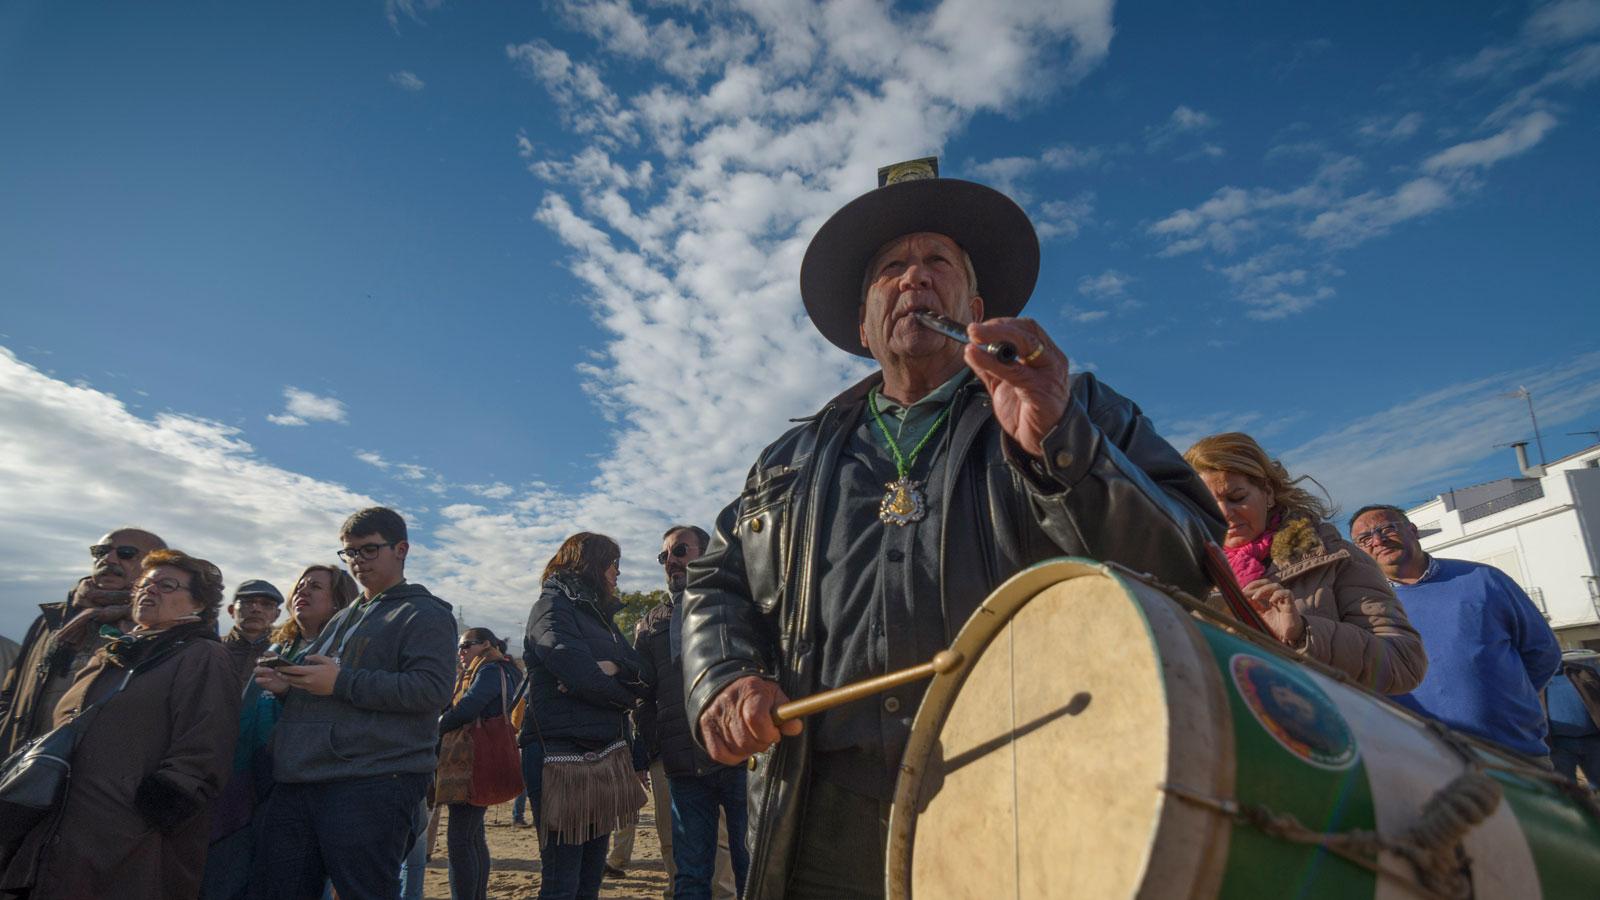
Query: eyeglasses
{"type": "Point", "coordinates": [365, 551]}
{"type": "Point", "coordinates": [679, 551]}
{"type": "Point", "coordinates": [258, 601]}
{"type": "Point", "coordinates": [162, 586]}
{"type": "Point", "coordinates": [469, 644]}
{"type": "Point", "coordinates": [98, 551]}
{"type": "Point", "coordinates": [1381, 533]}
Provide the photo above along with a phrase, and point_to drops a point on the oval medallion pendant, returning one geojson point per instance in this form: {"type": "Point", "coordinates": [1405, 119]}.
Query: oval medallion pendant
{"type": "Point", "coordinates": [903, 504]}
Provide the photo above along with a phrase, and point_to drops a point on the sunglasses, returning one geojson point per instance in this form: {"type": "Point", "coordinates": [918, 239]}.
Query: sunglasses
{"type": "Point", "coordinates": [468, 644]}
{"type": "Point", "coordinates": [98, 551]}
{"type": "Point", "coordinates": [679, 551]}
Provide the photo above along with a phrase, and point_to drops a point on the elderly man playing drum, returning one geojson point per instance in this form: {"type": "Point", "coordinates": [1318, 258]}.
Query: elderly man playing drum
{"type": "Point", "coordinates": [865, 537]}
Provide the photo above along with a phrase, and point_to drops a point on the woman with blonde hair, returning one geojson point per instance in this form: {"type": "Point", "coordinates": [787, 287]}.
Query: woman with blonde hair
{"type": "Point", "coordinates": [1317, 592]}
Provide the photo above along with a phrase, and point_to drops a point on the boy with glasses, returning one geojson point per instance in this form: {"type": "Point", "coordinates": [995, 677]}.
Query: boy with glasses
{"type": "Point", "coordinates": [65, 635]}
{"type": "Point", "coordinates": [1490, 652]}
{"type": "Point", "coordinates": [354, 749]}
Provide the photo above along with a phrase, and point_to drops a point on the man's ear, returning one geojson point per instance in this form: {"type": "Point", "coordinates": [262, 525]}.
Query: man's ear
{"type": "Point", "coordinates": [861, 323]}
{"type": "Point", "coordinates": [230, 609]}
{"type": "Point", "coordinates": [976, 307]}
{"type": "Point", "coordinates": [402, 548]}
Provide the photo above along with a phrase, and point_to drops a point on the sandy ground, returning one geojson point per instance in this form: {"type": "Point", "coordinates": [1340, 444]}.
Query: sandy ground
{"type": "Point", "coordinates": [515, 874]}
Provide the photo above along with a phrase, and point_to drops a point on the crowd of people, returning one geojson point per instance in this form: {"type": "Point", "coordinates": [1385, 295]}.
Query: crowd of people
{"type": "Point", "coordinates": [303, 760]}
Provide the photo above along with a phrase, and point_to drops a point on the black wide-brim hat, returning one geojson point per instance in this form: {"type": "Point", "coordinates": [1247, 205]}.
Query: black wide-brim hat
{"type": "Point", "coordinates": [990, 226]}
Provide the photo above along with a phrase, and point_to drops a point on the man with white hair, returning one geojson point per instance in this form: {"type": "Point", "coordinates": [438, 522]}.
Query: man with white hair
{"type": "Point", "coordinates": [866, 536]}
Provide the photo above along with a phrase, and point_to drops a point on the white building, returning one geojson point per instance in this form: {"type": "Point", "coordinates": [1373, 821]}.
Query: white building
{"type": "Point", "coordinates": [1542, 529]}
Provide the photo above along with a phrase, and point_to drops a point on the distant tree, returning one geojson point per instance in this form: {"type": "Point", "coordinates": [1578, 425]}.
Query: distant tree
{"type": "Point", "coordinates": [634, 605]}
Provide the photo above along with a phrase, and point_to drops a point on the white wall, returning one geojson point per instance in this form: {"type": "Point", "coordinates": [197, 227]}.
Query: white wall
{"type": "Point", "coordinates": [1546, 545]}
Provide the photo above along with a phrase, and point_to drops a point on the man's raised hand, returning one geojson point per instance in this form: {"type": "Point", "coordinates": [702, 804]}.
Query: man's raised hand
{"type": "Point", "coordinates": [1031, 395]}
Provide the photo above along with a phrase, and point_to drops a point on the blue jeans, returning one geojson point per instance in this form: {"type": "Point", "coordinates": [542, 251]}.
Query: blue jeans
{"type": "Point", "coordinates": [533, 774]}
{"type": "Point", "coordinates": [519, 807]}
{"type": "Point", "coordinates": [356, 833]}
{"type": "Point", "coordinates": [572, 871]}
{"type": "Point", "coordinates": [416, 865]}
{"type": "Point", "coordinates": [695, 804]}
{"type": "Point", "coordinates": [1570, 753]}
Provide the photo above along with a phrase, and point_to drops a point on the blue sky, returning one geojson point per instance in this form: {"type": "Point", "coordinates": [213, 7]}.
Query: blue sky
{"type": "Point", "coordinates": [521, 269]}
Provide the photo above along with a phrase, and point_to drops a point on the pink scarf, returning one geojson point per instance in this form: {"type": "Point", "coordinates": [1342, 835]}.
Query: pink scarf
{"type": "Point", "coordinates": [1249, 561]}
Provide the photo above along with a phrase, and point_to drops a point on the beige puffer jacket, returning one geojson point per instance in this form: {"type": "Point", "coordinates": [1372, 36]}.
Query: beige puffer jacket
{"type": "Point", "coordinates": [1354, 622]}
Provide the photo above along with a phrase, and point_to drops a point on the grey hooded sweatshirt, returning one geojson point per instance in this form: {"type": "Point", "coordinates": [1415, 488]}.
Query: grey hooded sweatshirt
{"type": "Point", "coordinates": [396, 666]}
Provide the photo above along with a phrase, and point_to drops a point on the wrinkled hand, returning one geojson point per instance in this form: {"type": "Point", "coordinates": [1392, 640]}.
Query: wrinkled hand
{"type": "Point", "coordinates": [315, 675]}
{"type": "Point", "coordinates": [1029, 398]}
{"type": "Point", "coordinates": [738, 723]}
{"type": "Point", "coordinates": [1277, 609]}
{"type": "Point", "coordinates": [269, 680]}
{"type": "Point", "coordinates": [608, 667]}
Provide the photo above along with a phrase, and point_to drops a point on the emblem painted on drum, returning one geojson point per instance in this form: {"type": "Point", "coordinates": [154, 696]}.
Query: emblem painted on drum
{"type": "Point", "coordinates": [1294, 712]}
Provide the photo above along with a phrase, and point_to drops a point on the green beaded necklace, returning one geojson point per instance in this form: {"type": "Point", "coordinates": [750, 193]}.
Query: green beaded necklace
{"type": "Point", "coordinates": [904, 503]}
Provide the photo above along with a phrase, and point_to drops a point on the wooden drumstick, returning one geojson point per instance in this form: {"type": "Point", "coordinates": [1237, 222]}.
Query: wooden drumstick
{"type": "Point", "coordinates": [942, 662]}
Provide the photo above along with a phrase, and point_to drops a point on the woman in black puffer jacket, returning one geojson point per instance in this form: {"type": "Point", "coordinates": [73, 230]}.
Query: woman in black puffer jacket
{"type": "Point", "coordinates": [583, 680]}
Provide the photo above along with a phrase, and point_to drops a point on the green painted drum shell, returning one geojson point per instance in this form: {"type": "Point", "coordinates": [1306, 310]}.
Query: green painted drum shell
{"type": "Point", "coordinates": [1228, 718]}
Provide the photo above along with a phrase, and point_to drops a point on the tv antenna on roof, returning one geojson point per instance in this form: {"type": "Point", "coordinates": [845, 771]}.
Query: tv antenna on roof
{"type": "Point", "coordinates": [1527, 395]}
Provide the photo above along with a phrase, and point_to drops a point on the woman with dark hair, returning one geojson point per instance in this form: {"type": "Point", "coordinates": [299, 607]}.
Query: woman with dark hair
{"type": "Point", "coordinates": [487, 677]}
{"type": "Point", "coordinates": [583, 679]}
{"type": "Point", "coordinates": [1318, 593]}
{"type": "Point", "coordinates": [134, 819]}
{"type": "Point", "coordinates": [319, 592]}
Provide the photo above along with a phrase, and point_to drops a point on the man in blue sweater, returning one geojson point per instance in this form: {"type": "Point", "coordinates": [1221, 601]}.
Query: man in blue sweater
{"type": "Point", "coordinates": [1490, 652]}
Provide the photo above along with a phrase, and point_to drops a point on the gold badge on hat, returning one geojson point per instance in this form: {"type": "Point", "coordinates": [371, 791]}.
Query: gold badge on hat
{"type": "Point", "coordinates": [910, 170]}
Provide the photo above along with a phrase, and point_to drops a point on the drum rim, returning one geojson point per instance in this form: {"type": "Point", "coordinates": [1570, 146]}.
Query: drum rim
{"type": "Point", "coordinates": [972, 641]}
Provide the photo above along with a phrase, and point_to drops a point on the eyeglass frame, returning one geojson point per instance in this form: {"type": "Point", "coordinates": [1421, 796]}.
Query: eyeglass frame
{"type": "Point", "coordinates": [472, 643]}
{"type": "Point", "coordinates": [365, 551]}
{"type": "Point", "coordinates": [123, 551]}
{"type": "Point", "coordinates": [1374, 535]}
{"type": "Point", "coordinates": [679, 551]}
{"type": "Point", "coordinates": [142, 583]}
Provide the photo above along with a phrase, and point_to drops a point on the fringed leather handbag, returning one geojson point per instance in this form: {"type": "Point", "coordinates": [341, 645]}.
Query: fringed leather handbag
{"type": "Point", "coordinates": [586, 795]}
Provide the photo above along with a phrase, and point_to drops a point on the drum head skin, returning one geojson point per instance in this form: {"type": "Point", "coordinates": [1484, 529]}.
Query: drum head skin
{"type": "Point", "coordinates": [1035, 769]}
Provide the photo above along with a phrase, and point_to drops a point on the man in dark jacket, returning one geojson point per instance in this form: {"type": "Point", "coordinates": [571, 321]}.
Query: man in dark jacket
{"type": "Point", "coordinates": [355, 747]}
{"type": "Point", "coordinates": [700, 794]}
{"type": "Point", "coordinates": [256, 604]}
{"type": "Point", "coordinates": [866, 536]}
{"type": "Point", "coordinates": [66, 635]}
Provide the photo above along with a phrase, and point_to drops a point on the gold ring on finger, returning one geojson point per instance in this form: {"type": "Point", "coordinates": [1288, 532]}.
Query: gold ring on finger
{"type": "Point", "coordinates": [1037, 352]}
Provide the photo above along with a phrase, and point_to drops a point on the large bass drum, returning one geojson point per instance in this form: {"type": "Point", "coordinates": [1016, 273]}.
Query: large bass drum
{"type": "Point", "coordinates": [1104, 738]}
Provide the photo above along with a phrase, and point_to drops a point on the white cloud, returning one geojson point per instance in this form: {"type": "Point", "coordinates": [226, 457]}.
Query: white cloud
{"type": "Point", "coordinates": [1418, 446]}
{"type": "Point", "coordinates": [1550, 25]}
{"type": "Point", "coordinates": [303, 407]}
{"type": "Point", "coordinates": [1515, 139]}
{"type": "Point", "coordinates": [1391, 129]}
{"type": "Point", "coordinates": [407, 81]}
{"type": "Point", "coordinates": [1184, 120]}
{"type": "Point", "coordinates": [411, 9]}
{"type": "Point", "coordinates": [1064, 219]}
{"type": "Point", "coordinates": [75, 463]}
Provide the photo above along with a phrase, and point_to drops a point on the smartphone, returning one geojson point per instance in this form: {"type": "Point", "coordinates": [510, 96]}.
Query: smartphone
{"type": "Point", "coordinates": [274, 662]}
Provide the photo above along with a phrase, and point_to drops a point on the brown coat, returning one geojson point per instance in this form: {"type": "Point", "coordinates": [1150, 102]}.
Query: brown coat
{"type": "Point", "coordinates": [135, 820]}
{"type": "Point", "coordinates": [1354, 622]}
{"type": "Point", "coordinates": [40, 675]}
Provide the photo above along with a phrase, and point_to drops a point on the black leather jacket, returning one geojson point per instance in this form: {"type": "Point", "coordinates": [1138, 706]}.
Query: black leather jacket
{"type": "Point", "coordinates": [1108, 488]}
